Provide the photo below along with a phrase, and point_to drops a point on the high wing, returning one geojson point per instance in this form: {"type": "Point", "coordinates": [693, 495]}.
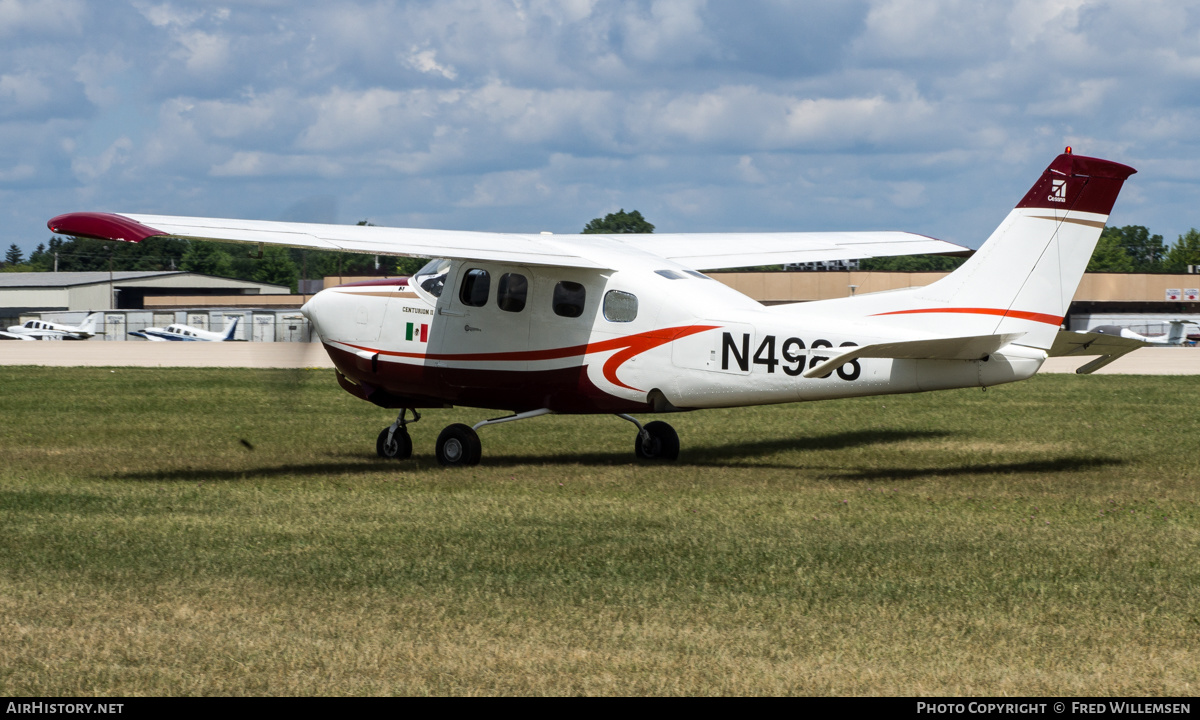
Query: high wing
{"type": "Point", "coordinates": [709, 251]}
{"type": "Point", "coordinates": [699, 251]}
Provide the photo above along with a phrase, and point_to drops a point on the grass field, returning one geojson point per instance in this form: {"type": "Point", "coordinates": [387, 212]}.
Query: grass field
{"type": "Point", "coordinates": [1039, 538]}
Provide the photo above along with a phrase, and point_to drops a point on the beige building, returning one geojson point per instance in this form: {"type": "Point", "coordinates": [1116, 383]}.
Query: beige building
{"type": "Point", "coordinates": [83, 291]}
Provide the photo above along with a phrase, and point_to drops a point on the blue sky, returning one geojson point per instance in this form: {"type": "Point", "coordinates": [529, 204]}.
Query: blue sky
{"type": "Point", "coordinates": [932, 116]}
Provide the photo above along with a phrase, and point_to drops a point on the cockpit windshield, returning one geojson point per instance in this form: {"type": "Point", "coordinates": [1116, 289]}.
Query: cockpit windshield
{"type": "Point", "coordinates": [432, 277]}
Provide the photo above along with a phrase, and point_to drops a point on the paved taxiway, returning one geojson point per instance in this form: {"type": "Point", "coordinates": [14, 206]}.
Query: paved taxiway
{"type": "Point", "coordinates": [91, 353]}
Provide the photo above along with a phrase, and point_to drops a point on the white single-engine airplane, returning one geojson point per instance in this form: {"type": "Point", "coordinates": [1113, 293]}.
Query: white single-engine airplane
{"type": "Point", "coordinates": [623, 324]}
{"type": "Point", "coordinates": [186, 333]}
{"type": "Point", "coordinates": [44, 330]}
{"type": "Point", "coordinates": [1175, 336]}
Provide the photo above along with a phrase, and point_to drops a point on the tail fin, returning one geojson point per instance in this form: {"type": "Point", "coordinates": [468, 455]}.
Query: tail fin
{"type": "Point", "coordinates": [88, 326]}
{"type": "Point", "coordinates": [231, 330]}
{"type": "Point", "coordinates": [1023, 278]}
{"type": "Point", "coordinates": [1176, 335]}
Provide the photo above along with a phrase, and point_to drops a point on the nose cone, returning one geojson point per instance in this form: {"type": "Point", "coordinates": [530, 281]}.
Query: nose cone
{"type": "Point", "coordinates": [312, 311]}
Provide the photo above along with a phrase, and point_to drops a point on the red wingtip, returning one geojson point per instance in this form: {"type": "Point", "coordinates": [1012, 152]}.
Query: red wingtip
{"type": "Point", "coordinates": [101, 226]}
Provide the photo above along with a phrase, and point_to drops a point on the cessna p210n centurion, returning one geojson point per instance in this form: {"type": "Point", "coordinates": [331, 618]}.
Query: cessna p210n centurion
{"type": "Point", "coordinates": [627, 324]}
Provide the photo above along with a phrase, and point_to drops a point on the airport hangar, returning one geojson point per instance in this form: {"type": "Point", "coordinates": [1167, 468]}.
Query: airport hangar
{"type": "Point", "coordinates": [133, 300]}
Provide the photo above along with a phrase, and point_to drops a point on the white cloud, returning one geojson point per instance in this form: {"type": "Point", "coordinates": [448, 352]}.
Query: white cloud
{"type": "Point", "coordinates": [426, 62]}
{"type": "Point", "coordinates": [89, 169]}
{"type": "Point", "coordinates": [18, 173]}
{"type": "Point", "coordinates": [23, 92]}
{"type": "Point", "coordinates": [259, 164]}
{"type": "Point", "coordinates": [203, 52]}
{"type": "Point", "coordinates": [40, 17]}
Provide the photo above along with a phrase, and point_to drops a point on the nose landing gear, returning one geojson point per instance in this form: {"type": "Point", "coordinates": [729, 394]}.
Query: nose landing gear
{"type": "Point", "coordinates": [394, 442]}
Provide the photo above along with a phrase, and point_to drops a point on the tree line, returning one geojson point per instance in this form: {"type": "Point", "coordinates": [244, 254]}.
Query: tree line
{"type": "Point", "coordinates": [278, 265]}
{"type": "Point", "coordinates": [1131, 248]}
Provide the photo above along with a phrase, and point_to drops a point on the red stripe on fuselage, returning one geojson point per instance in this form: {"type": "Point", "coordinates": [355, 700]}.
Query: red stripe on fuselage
{"type": "Point", "coordinates": [1018, 314]}
{"type": "Point", "coordinates": [629, 347]}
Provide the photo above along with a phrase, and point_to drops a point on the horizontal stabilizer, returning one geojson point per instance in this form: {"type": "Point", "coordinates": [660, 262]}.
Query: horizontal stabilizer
{"type": "Point", "coordinates": [974, 347]}
{"type": "Point", "coordinates": [1108, 347]}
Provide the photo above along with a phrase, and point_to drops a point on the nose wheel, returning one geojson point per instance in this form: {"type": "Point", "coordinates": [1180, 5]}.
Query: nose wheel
{"type": "Point", "coordinates": [394, 442]}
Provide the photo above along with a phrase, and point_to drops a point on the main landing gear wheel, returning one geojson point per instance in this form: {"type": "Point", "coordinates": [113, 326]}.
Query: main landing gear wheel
{"type": "Point", "coordinates": [458, 446]}
{"type": "Point", "coordinates": [400, 448]}
{"type": "Point", "coordinates": [657, 441]}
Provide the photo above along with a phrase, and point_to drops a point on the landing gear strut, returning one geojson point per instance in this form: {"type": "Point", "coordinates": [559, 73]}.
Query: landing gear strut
{"type": "Point", "coordinates": [393, 442]}
{"type": "Point", "coordinates": [655, 440]}
{"type": "Point", "coordinates": [458, 445]}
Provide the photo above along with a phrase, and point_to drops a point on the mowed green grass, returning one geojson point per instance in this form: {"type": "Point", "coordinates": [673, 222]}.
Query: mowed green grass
{"type": "Point", "coordinates": [1037, 538]}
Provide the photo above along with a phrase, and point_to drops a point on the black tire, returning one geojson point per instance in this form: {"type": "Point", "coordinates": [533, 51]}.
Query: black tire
{"type": "Point", "coordinates": [458, 446]}
{"type": "Point", "coordinates": [399, 449]}
{"type": "Point", "coordinates": [662, 444]}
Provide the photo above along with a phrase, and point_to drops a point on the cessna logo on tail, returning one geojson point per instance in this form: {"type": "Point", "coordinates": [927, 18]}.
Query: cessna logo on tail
{"type": "Point", "coordinates": [1059, 191]}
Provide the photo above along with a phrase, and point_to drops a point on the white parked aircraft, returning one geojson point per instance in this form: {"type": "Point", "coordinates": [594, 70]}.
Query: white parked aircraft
{"type": "Point", "coordinates": [44, 330]}
{"type": "Point", "coordinates": [623, 324]}
{"type": "Point", "coordinates": [186, 333]}
{"type": "Point", "coordinates": [1176, 335]}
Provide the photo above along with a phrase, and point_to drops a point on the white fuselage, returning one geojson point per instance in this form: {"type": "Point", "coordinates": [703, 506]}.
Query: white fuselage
{"type": "Point", "coordinates": [692, 342]}
{"type": "Point", "coordinates": [180, 333]}
{"type": "Point", "coordinates": [45, 330]}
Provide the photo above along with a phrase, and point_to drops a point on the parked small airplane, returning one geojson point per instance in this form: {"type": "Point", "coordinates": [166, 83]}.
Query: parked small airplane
{"type": "Point", "coordinates": [186, 333]}
{"type": "Point", "coordinates": [44, 330]}
{"type": "Point", "coordinates": [1176, 335]}
{"type": "Point", "coordinates": [622, 324]}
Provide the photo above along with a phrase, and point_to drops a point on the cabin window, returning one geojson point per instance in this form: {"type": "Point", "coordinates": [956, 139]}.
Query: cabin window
{"type": "Point", "coordinates": [511, 292]}
{"type": "Point", "coordinates": [695, 274]}
{"type": "Point", "coordinates": [432, 277]}
{"type": "Point", "coordinates": [670, 274]}
{"type": "Point", "coordinates": [568, 299]}
{"type": "Point", "coordinates": [475, 287]}
{"type": "Point", "coordinates": [620, 306]}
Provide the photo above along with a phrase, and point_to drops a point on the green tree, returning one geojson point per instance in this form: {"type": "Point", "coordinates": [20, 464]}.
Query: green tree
{"type": "Point", "coordinates": [1186, 251]}
{"type": "Point", "coordinates": [618, 223]}
{"type": "Point", "coordinates": [276, 267]}
{"type": "Point", "coordinates": [1110, 255]}
{"type": "Point", "coordinates": [14, 256]}
{"type": "Point", "coordinates": [206, 258]}
{"type": "Point", "coordinates": [1145, 251]}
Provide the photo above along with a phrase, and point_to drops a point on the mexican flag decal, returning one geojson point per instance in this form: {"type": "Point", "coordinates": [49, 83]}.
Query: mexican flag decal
{"type": "Point", "coordinates": [420, 333]}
